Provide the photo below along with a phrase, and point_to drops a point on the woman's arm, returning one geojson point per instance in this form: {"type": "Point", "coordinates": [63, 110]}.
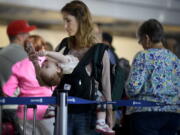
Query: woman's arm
{"type": "Point", "coordinates": [106, 85]}
{"type": "Point", "coordinates": [12, 84]}
{"type": "Point", "coordinates": [106, 80]}
{"type": "Point", "coordinates": [137, 75]}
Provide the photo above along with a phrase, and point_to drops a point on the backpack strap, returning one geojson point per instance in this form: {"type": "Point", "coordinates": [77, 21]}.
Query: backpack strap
{"type": "Point", "coordinates": [63, 44]}
{"type": "Point", "coordinates": [86, 59]}
{"type": "Point", "coordinates": [97, 60]}
{"type": "Point", "coordinates": [93, 55]}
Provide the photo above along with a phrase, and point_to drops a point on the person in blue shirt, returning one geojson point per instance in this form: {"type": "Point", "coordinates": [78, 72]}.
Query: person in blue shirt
{"type": "Point", "coordinates": [154, 76]}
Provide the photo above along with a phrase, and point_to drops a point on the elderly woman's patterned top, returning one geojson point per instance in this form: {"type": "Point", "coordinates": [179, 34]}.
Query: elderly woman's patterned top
{"type": "Point", "coordinates": [154, 76]}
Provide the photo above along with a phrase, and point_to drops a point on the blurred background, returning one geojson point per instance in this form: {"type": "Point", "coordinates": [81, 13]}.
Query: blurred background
{"type": "Point", "coordinates": [120, 18]}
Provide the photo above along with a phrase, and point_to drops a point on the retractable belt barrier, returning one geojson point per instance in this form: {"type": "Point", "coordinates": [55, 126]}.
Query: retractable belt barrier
{"type": "Point", "coordinates": [61, 102]}
{"type": "Point", "coordinates": [75, 100]}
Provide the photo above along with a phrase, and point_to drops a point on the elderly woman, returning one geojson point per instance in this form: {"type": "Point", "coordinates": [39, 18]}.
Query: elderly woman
{"type": "Point", "coordinates": [154, 76]}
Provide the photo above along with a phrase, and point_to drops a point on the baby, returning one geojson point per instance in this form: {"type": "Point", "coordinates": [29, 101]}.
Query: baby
{"type": "Point", "coordinates": [54, 66]}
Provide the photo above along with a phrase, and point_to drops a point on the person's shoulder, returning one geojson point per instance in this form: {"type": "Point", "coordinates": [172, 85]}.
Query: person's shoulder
{"type": "Point", "coordinates": [171, 54]}
{"type": "Point", "coordinates": [4, 50]}
{"type": "Point", "coordinates": [63, 43]}
{"type": "Point", "coordinates": [22, 62]}
{"type": "Point", "coordinates": [21, 66]}
{"type": "Point", "coordinates": [141, 53]}
{"type": "Point", "coordinates": [147, 52]}
{"type": "Point", "coordinates": [14, 48]}
{"type": "Point", "coordinates": [65, 39]}
{"type": "Point", "coordinates": [165, 53]}
{"type": "Point", "coordinates": [174, 57]}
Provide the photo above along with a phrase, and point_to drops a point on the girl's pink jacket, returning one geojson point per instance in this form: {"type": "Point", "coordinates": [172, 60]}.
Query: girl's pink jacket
{"type": "Point", "coordinates": [24, 77]}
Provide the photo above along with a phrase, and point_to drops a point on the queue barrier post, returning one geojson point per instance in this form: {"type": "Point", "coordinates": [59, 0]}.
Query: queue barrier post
{"type": "Point", "coordinates": [34, 107]}
{"type": "Point", "coordinates": [62, 111]}
{"type": "Point", "coordinates": [0, 119]}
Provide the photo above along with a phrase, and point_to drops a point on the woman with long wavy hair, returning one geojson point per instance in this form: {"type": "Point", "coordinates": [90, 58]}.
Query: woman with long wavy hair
{"type": "Point", "coordinates": [80, 28]}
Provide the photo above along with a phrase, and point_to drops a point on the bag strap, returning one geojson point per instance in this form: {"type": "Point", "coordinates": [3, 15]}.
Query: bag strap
{"type": "Point", "coordinates": [87, 58]}
{"type": "Point", "coordinates": [63, 44]}
{"type": "Point", "coordinates": [93, 55]}
{"type": "Point", "coordinates": [97, 60]}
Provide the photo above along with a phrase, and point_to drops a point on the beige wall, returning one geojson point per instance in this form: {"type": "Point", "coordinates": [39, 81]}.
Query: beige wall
{"type": "Point", "coordinates": [3, 36]}
{"type": "Point", "coordinates": [52, 36]}
{"type": "Point", "coordinates": [125, 47]}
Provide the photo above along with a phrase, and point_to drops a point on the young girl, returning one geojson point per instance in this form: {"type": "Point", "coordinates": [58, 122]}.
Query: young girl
{"type": "Point", "coordinates": [24, 77]}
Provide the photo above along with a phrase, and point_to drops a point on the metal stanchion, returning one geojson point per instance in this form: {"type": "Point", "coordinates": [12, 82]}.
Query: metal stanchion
{"type": "Point", "coordinates": [61, 111]}
{"type": "Point", "coordinates": [34, 107]}
{"type": "Point", "coordinates": [0, 119]}
{"type": "Point", "coordinates": [24, 122]}
{"type": "Point", "coordinates": [34, 118]}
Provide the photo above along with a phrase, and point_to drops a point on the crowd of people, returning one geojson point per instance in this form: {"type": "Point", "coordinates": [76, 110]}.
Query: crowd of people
{"type": "Point", "coordinates": [31, 68]}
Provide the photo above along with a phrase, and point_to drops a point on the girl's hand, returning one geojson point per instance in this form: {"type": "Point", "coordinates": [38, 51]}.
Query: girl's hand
{"type": "Point", "coordinates": [32, 54]}
{"type": "Point", "coordinates": [29, 48]}
{"type": "Point", "coordinates": [33, 57]}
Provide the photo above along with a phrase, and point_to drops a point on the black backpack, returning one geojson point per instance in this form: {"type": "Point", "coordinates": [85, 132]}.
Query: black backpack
{"type": "Point", "coordinates": [82, 85]}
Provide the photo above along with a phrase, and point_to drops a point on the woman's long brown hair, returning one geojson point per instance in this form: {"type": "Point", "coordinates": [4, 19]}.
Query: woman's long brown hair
{"type": "Point", "coordinates": [85, 35]}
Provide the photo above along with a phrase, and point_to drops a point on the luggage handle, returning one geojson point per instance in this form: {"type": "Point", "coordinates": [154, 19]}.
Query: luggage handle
{"type": "Point", "coordinates": [0, 119]}
{"type": "Point", "coordinates": [34, 118]}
